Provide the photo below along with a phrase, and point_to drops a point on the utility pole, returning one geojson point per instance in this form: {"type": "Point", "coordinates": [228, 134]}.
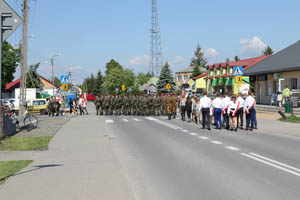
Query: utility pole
{"type": "Point", "coordinates": [24, 58]}
{"type": "Point", "coordinates": [52, 69]}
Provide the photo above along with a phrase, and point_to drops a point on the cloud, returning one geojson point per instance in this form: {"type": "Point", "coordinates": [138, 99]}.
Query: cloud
{"type": "Point", "coordinates": [140, 60]}
{"type": "Point", "coordinates": [177, 60]}
{"type": "Point", "coordinates": [211, 54]}
{"type": "Point", "coordinates": [75, 68]}
{"type": "Point", "coordinates": [252, 47]}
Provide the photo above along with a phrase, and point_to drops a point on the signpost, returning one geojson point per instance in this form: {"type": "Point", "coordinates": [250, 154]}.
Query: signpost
{"type": "Point", "coordinates": [238, 73]}
{"type": "Point", "coordinates": [9, 22]}
{"type": "Point", "coordinates": [238, 79]}
{"type": "Point", "coordinates": [123, 87]}
{"type": "Point", "coordinates": [191, 82]}
{"type": "Point", "coordinates": [168, 86]}
{"type": "Point", "coordinates": [65, 87]}
{"type": "Point", "coordinates": [65, 79]}
{"type": "Point", "coordinates": [117, 90]}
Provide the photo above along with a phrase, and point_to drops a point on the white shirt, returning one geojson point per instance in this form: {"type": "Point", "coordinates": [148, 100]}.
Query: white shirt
{"type": "Point", "coordinates": [233, 106]}
{"type": "Point", "coordinates": [250, 101]}
{"type": "Point", "coordinates": [225, 102]}
{"type": "Point", "coordinates": [242, 102]}
{"type": "Point", "coordinates": [182, 102]}
{"type": "Point", "coordinates": [80, 101]}
{"type": "Point", "coordinates": [217, 103]}
{"type": "Point", "coordinates": [205, 102]}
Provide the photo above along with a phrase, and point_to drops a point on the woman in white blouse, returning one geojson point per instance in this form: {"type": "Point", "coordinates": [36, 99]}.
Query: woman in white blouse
{"type": "Point", "coordinates": [232, 111]}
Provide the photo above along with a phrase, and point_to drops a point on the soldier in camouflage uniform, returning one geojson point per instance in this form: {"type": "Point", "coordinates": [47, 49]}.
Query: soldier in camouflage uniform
{"type": "Point", "coordinates": [163, 106]}
{"type": "Point", "coordinates": [106, 102]}
{"type": "Point", "coordinates": [97, 105]}
{"type": "Point", "coordinates": [157, 105]}
{"type": "Point", "coordinates": [118, 105]}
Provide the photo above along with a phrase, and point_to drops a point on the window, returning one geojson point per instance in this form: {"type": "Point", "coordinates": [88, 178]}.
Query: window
{"type": "Point", "coordinates": [268, 87]}
{"type": "Point", "coordinates": [179, 78]}
{"type": "Point", "coordinates": [36, 103]}
{"type": "Point", "coordinates": [186, 77]}
{"type": "Point", "coordinates": [294, 83]}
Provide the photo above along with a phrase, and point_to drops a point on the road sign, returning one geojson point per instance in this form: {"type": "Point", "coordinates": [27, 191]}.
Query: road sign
{"type": "Point", "coordinates": [9, 18]}
{"type": "Point", "coordinates": [123, 87]}
{"type": "Point", "coordinates": [65, 87]}
{"type": "Point", "coordinates": [168, 86]}
{"type": "Point", "coordinates": [129, 89]}
{"type": "Point", "coordinates": [238, 79]}
{"type": "Point", "coordinates": [64, 79]}
{"type": "Point", "coordinates": [238, 71]}
{"type": "Point", "coordinates": [117, 90]}
{"type": "Point", "coordinates": [191, 82]}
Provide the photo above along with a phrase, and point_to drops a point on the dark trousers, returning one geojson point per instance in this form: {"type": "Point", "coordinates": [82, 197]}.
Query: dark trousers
{"type": "Point", "coordinates": [188, 110]}
{"type": "Point", "coordinates": [226, 120]}
{"type": "Point", "coordinates": [206, 117]}
{"type": "Point", "coordinates": [182, 108]}
{"type": "Point", "coordinates": [81, 110]}
{"type": "Point", "coordinates": [240, 117]}
{"type": "Point", "coordinates": [251, 118]}
{"type": "Point", "coordinates": [217, 116]}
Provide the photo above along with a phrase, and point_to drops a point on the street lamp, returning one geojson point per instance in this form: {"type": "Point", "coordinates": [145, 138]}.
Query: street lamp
{"type": "Point", "coordinates": [52, 65]}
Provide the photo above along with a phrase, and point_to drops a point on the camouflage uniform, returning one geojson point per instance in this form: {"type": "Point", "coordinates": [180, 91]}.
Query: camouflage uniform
{"type": "Point", "coordinates": [107, 102]}
{"type": "Point", "coordinates": [97, 104]}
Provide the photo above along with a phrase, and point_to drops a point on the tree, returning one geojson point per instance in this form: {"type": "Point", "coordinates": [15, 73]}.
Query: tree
{"type": "Point", "coordinates": [99, 83]}
{"type": "Point", "coordinates": [236, 58]}
{"type": "Point", "coordinates": [33, 79]}
{"type": "Point", "coordinates": [165, 77]}
{"type": "Point", "coordinates": [227, 60]}
{"type": "Point", "coordinates": [112, 64]}
{"type": "Point", "coordinates": [268, 51]}
{"type": "Point", "coordinates": [142, 78]}
{"type": "Point", "coordinates": [198, 61]}
{"type": "Point", "coordinates": [10, 59]}
{"type": "Point", "coordinates": [56, 81]}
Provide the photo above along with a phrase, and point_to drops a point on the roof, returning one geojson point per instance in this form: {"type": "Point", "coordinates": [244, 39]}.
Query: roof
{"type": "Point", "coordinates": [16, 83]}
{"type": "Point", "coordinates": [200, 76]}
{"type": "Point", "coordinates": [247, 63]}
{"type": "Point", "coordinates": [287, 59]}
{"type": "Point", "coordinates": [187, 70]}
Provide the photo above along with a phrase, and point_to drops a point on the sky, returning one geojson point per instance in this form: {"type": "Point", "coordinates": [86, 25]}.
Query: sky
{"type": "Point", "coordinates": [89, 33]}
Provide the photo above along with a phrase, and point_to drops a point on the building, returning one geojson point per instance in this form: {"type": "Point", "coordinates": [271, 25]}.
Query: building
{"type": "Point", "coordinates": [274, 73]}
{"type": "Point", "coordinates": [183, 76]}
{"type": "Point", "coordinates": [220, 77]}
{"type": "Point", "coordinates": [200, 83]}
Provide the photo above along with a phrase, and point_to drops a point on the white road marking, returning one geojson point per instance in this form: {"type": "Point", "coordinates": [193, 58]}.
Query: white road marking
{"type": "Point", "coordinates": [271, 164]}
{"type": "Point", "coordinates": [151, 118]}
{"type": "Point", "coordinates": [125, 120]}
{"type": "Point", "coordinates": [185, 131]}
{"type": "Point", "coordinates": [276, 162]}
{"type": "Point", "coordinates": [109, 121]}
{"type": "Point", "coordinates": [203, 137]}
{"type": "Point", "coordinates": [164, 123]}
{"type": "Point", "coordinates": [232, 148]}
{"type": "Point", "coordinates": [216, 142]}
{"type": "Point", "coordinates": [138, 120]}
{"type": "Point", "coordinates": [193, 134]}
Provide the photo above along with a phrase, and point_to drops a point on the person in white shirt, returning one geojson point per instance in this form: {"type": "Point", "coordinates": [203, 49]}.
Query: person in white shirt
{"type": "Point", "coordinates": [182, 102]}
{"type": "Point", "coordinates": [217, 106]}
{"type": "Point", "coordinates": [196, 107]}
{"type": "Point", "coordinates": [232, 111]}
{"type": "Point", "coordinates": [240, 112]}
{"type": "Point", "coordinates": [225, 104]}
{"type": "Point", "coordinates": [205, 104]}
{"type": "Point", "coordinates": [80, 104]}
{"type": "Point", "coordinates": [250, 111]}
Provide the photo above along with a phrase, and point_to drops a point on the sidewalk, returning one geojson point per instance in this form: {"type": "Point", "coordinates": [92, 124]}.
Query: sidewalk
{"type": "Point", "coordinates": [80, 164]}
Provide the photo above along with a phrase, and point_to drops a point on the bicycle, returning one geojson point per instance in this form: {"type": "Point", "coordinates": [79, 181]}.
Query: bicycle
{"type": "Point", "coordinates": [29, 121]}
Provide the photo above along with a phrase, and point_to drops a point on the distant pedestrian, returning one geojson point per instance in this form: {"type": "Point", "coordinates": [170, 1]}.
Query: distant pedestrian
{"type": "Point", "coordinates": [225, 105]}
{"type": "Point", "coordinates": [84, 106]}
{"type": "Point", "coordinates": [286, 94]}
{"type": "Point", "coordinates": [205, 104]}
{"type": "Point", "coordinates": [188, 107]}
{"type": "Point", "coordinates": [217, 106]}
{"type": "Point", "coordinates": [182, 103]}
{"type": "Point", "coordinates": [71, 106]}
{"type": "Point", "coordinates": [240, 113]}
{"type": "Point", "coordinates": [250, 112]}
{"type": "Point", "coordinates": [196, 107]}
{"type": "Point", "coordinates": [232, 110]}
{"type": "Point", "coordinates": [80, 104]}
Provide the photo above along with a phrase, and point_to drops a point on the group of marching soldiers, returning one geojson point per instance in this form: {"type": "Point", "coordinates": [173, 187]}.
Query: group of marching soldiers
{"type": "Point", "coordinates": [140, 105]}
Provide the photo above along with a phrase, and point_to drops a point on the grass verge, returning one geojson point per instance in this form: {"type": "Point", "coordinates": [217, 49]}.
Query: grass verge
{"type": "Point", "coordinates": [8, 168]}
{"type": "Point", "coordinates": [292, 119]}
{"type": "Point", "coordinates": [25, 143]}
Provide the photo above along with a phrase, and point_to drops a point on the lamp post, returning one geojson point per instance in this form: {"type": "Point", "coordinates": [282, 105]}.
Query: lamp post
{"type": "Point", "coordinates": [52, 65]}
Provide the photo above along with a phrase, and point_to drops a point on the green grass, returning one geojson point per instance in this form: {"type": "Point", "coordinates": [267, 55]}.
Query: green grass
{"type": "Point", "coordinates": [8, 168]}
{"type": "Point", "coordinates": [292, 119]}
{"type": "Point", "coordinates": [25, 143]}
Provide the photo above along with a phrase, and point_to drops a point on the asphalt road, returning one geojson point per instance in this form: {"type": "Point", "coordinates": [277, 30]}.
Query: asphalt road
{"type": "Point", "coordinates": [176, 160]}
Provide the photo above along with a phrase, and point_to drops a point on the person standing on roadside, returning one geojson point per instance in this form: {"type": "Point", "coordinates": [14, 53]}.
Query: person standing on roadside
{"type": "Point", "coordinates": [80, 104]}
{"type": "Point", "coordinates": [205, 104]}
{"type": "Point", "coordinates": [250, 111]}
{"type": "Point", "coordinates": [217, 106]}
{"type": "Point", "coordinates": [240, 112]}
{"type": "Point", "coordinates": [188, 107]}
{"type": "Point", "coordinates": [182, 102]}
{"type": "Point", "coordinates": [71, 106]}
{"type": "Point", "coordinates": [232, 110]}
{"type": "Point", "coordinates": [225, 105]}
{"type": "Point", "coordinates": [286, 94]}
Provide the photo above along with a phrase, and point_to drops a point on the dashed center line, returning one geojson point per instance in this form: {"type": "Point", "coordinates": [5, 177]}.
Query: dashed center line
{"type": "Point", "coordinates": [203, 137]}
{"type": "Point", "coordinates": [232, 148]}
{"type": "Point", "coordinates": [136, 119]}
{"type": "Point", "coordinates": [125, 120]}
{"type": "Point", "coordinates": [185, 131]}
{"type": "Point", "coordinates": [216, 142]}
{"type": "Point", "coordinates": [109, 121]}
{"type": "Point", "coordinates": [193, 134]}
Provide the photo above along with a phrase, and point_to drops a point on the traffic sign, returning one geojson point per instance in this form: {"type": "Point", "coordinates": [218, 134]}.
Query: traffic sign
{"type": "Point", "coordinates": [191, 82]}
{"type": "Point", "coordinates": [168, 86]}
{"type": "Point", "coordinates": [238, 79]}
{"type": "Point", "coordinates": [10, 20]}
{"type": "Point", "coordinates": [129, 89]}
{"type": "Point", "coordinates": [117, 90]}
{"type": "Point", "coordinates": [65, 87]}
{"type": "Point", "coordinates": [64, 79]}
{"type": "Point", "coordinates": [123, 87]}
{"type": "Point", "coordinates": [238, 71]}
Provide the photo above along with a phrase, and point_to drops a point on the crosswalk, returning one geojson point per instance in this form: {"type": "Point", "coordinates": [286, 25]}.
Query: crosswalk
{"type": "Point", "coordinates": [123, 120]}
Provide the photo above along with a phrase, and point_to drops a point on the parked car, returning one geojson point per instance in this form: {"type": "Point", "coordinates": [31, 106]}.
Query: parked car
{"type": "Point", "coordinates": [36, 106]}
{"type": "Point", "coordinates": [90, 97]}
